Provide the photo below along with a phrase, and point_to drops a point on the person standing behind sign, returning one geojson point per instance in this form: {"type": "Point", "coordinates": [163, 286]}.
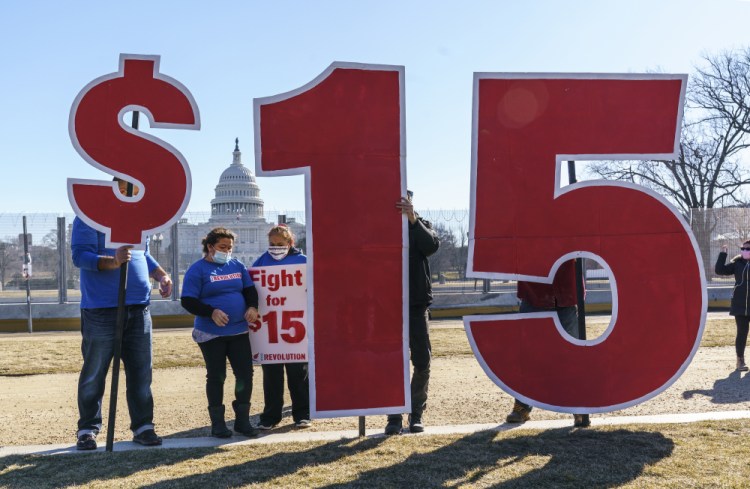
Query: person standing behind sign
{"type": "Point", "coordinates": [100, 280]}
{"type": "Point", "coordinates": [423, 242]}
{"type": "Point", "coordinates": [281, 251]}
{"type": "Point", "coordinates": [218, 290]}
{"type": "Point", "coordinates": [740, 305]}
{"type": "Point", "coordinates": [559, 296]}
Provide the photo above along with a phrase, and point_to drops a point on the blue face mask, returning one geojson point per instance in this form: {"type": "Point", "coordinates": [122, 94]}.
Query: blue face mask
{"type": "Point", "coordinates": [221, 257]}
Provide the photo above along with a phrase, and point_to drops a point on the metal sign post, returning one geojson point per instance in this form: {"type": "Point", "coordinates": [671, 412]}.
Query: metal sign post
{"type": "Point", "coordinates": [580, 290]}
{"type": "Point", "coordinates": [27, 273]}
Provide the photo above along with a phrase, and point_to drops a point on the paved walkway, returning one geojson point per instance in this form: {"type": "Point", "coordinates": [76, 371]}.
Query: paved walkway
{"type": "Point", "coordinates": [306, 436]}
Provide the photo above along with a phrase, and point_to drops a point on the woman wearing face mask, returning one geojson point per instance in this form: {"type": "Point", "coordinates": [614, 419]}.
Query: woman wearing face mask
{"type": "Point", "coordinates": [740, 306]}
{"type": "Point", "coordinates": [281, 251]}
{"type": "Point", "coordinates": [218, 290]}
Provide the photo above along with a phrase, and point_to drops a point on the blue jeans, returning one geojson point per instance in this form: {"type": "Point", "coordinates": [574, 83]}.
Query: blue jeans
{"type": "Point", "coordinates": [97, 347]}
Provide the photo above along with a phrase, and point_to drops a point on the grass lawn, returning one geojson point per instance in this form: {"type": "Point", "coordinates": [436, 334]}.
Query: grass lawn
{"type": "Point", "coordinates": [59, 353]}
{"type": "Point", "coordinates": [708, 454]}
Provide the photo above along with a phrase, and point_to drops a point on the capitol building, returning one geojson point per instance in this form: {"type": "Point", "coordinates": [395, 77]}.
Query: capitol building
{"type": "Point", "coordinates": [237, 206]}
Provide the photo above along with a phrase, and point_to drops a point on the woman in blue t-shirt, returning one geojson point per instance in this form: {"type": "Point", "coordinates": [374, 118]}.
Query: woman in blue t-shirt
{"type": "Point", "coordinates": [218, 290]}
{"type": "Point", "coordinates": [281, 251]}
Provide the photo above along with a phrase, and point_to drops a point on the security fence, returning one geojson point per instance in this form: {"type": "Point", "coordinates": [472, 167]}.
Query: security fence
{"type": "Point", "coordinates": [54, 278]}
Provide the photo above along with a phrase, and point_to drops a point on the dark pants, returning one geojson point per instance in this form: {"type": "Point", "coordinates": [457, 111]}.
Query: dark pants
{"type": "Point", "coordinates": [273, 392]}
{"type": "Point", "coordinates": [98, 348]}
{"type": "Point", "coordinates": [421, 354]}
{"type": "Point", "coordinates": [568, 319]}
{"type": "Point", "coordinates": [741, 340]}
{"type": "Point", "coordinates": [215, 353]}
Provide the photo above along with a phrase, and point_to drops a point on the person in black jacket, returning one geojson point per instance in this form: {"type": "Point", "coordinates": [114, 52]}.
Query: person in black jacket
{"type": "Point", "coordinates": [423, 242]}
{"type": "Point", "coordinates": [740, 306]}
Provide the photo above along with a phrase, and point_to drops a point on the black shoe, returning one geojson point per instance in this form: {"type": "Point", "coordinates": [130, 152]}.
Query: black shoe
{"type": "Point", "coordinates": [394, 425]}
{"type": "Point", "coordinates": [581, 420]}
{"type": "Point", "coordinates": [415, 423]}
{"type": "Point", "coordinates": [147, 438]}
{"type": "Point", "coordinates": [87, 441]}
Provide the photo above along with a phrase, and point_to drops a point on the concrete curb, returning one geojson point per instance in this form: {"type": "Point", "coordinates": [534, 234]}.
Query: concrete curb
{"type": "Point", "coordinates": [308, 436]}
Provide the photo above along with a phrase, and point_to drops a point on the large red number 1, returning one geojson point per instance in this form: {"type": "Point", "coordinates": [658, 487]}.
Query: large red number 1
{"type": "Point", "coordinates": [524, 226]}
{"type": "Point", "coordinates": [344, 132]}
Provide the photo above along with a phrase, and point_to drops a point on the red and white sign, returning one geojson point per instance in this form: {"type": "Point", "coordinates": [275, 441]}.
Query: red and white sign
{"type": "Point", "coordinates": [101, 136]}
{"type": "Point", "coordinates": [280, 335]}
{"type": "Point", "coordinates": [345, 132]}
{"type": "Point", "coordinates": [524, 225]}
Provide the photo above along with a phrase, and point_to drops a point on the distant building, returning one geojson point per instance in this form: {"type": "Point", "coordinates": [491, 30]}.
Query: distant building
{"type": "Point", "coordinates": [237, 206]}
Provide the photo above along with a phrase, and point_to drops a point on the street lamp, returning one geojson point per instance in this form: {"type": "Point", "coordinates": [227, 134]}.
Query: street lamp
{"type": "Point", "coordinates": [158, 238]}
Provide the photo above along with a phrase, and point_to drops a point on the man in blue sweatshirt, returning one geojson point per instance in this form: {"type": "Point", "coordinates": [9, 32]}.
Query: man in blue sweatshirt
{"type": "Point", "coordinates": [100, 277]}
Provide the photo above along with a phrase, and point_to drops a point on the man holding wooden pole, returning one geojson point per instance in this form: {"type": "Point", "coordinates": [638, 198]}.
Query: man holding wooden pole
{"type": "Point", "coordinates": [100, 275]}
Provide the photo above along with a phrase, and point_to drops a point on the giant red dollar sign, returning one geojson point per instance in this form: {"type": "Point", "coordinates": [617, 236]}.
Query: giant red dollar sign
{"type": "Point", "coordinates": [100, 135]}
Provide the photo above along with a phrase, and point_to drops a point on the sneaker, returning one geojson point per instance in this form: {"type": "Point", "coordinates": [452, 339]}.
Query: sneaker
{"type": "Point", "coordinates": [265, 427]}
{"type": "Point", "coordinates": [581, 420]}
{"type": "Point", "coordinates": [147, 438]}
{"type": "Point", "coordinates": [86, 441]}
{"type": "Point", "coordinates": [520, 414]}
{"type": "Point", "coordinates": [394, 426]}
{"type": "Point", "coordinates": [415, 423]}
{"type": "Point", "coordinates": [303, 423]}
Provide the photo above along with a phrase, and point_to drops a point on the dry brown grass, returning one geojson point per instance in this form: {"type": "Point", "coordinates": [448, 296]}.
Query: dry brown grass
{"type": "Point", "coordinates": [45, 353]}
{"type": "Point", "coordinates": [708, 454]}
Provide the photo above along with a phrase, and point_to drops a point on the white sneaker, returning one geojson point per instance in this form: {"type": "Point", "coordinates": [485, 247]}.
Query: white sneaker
{"type": "Point", "coordinates": [303, 423]}
{"type": "Point", "coordinates": [265, 427]}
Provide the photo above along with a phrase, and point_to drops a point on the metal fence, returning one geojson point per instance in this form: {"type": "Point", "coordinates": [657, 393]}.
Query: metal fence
{"type": "Point", "coordinates": [54, 278]}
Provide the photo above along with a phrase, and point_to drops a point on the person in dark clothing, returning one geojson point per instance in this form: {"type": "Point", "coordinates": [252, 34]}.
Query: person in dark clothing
{"type": "Point", "coordinates": [423, 242]}
{"type": "Point", "coordinates": [559, 296]}
{"type": "Point", "coordinates": [281, 251]}
{"type": "Point", "coordinates": [739, 266]}
{"type": "Point", "coordinates": [218, 290]}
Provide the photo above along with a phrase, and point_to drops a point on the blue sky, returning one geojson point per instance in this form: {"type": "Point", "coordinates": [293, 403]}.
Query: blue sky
{"type": "Point", "coordinates": [228, 53]}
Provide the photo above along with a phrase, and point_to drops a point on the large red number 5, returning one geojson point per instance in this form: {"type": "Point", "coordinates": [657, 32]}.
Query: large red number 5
{"type": "Point", "coordinates": [344, 132]}
{"type": "Point", "coordinates": [523, 226]}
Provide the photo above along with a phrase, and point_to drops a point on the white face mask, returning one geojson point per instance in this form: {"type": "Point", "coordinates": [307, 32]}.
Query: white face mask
{"type": "Point", "coordinates": [221, 257]}
{"type": "Point", "coordinates": [278, 252]}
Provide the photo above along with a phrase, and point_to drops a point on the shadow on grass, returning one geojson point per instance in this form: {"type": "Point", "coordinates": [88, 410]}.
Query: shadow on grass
{"type": "Point", "coordinates": [555, 458]}
{"type": "Point", "coordinates": [44, 471]}
{"type": "Point", "coordinates": [80, 469]}
{"type": "Point", "coordinates": [733, 389]}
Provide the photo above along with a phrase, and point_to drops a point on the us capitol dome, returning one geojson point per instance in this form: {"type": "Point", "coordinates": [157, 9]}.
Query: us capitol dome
{"type": "Point", "coordinates": [237, 194]}
{"type": "Point", "coordinates": [238, 207]}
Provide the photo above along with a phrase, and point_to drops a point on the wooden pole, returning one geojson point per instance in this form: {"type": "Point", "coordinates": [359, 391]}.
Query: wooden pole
{"type": "Point", "coordinates": [119, 328]}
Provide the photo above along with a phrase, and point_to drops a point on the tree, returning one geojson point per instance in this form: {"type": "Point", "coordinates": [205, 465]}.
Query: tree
{"type": "Point", "coordinates": [9, 258]}
{"type": "Point", "coordinates": [442, 260]}
{"type": "Point", "coordinates": [707, 172]}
